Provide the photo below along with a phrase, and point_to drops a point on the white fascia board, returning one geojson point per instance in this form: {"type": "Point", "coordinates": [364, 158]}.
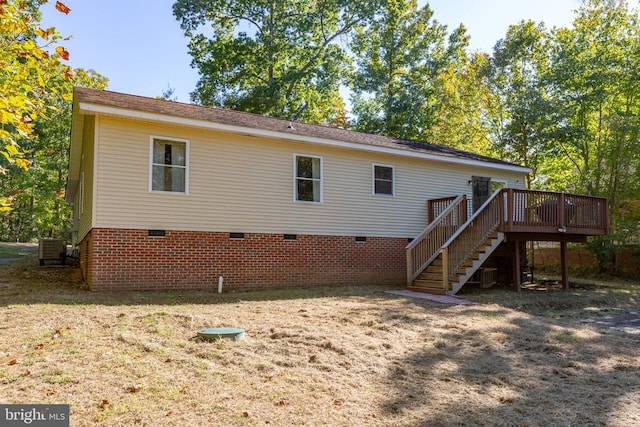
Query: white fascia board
{"type": "Point", "coordinates": [88, 108]}
{"type": "Point", "coordinates": [75, 153]}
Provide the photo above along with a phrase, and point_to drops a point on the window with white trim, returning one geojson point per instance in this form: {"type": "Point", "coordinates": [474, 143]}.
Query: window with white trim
{"type": "Point", "coordinates": [383, 180]}
{"type": "Point", "coordinates": [169, 165]}
{"type": "Point", "coordinates": [308, 179]}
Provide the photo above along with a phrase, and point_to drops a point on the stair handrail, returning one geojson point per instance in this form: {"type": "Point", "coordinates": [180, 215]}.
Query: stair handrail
{"type": "Point", "coordinates": [450, 263]}
{"type": "Point", "coordinates": [419, 253]}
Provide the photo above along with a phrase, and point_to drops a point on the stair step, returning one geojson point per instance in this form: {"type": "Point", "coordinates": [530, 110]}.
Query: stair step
{"type": "Point", "coordinates": [433, 291]}
{"type": "Point", "coordinates": [427, 275]}
{"type": "Point", "coordinates": [430, 286]}
{"type": "Point", "coordinates": [428, 283]}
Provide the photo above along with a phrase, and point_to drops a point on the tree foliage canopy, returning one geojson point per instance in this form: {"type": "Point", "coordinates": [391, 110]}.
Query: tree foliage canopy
{"type": "Point", "coordinates": [401, 57]}
{"type": "Point", "coordinates": [30, 58]}
{"type": "Point", "coordinates": [281, 58]}
{"type": "Point", "coordinates": [36, 88]}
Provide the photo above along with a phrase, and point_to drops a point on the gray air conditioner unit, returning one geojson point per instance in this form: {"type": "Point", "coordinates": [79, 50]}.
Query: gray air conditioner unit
{"type": "Point", "coordinates": [52, 250]}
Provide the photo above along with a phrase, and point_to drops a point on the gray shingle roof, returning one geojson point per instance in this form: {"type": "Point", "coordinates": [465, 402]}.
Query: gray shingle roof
{"type": "Point", "coordinates": [256, 121]}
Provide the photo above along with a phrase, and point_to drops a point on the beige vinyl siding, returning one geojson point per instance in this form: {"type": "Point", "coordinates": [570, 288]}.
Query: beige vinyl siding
{"type": "Point", "coordinates": [85, 186]}
{"type": "Point", "coordinates": [246, 184]}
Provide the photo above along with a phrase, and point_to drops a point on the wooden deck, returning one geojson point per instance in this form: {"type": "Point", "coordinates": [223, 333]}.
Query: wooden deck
{"type": "Point", "coordinates": [553, 215]}
{"type": "Point", "coordinates": [459, 245]}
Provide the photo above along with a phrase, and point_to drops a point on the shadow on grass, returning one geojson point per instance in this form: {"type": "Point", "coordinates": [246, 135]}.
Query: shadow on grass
{"type": "Point", "coordinates": [496, 366]}
{"type": "Point", "coordinates": [22, 281]}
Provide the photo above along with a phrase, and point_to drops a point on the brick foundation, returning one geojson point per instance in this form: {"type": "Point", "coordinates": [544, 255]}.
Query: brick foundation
{"type": "Point", "coordinates": [117, 259]}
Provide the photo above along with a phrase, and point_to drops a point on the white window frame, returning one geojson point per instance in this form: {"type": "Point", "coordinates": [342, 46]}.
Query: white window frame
{"type": "Point", "coordinates": [186, 164]}
{"type": "Point", "coordinates": [373, 180]}
{"type": "Point", "coordinates": [295, 179]}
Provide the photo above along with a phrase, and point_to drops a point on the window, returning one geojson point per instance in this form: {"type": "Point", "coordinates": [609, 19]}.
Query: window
{"type": "Point", "coordinates": [168, 165]}
{"type": "Point", "coordinates": [383, 180]}
{"type": "Point", "coordinates": [308, 185]}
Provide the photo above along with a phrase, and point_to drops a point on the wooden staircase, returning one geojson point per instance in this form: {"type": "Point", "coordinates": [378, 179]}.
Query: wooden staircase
{"type": "Point", "coordinates": [443, 268]}
{"type": "Point", "coordinates": [431, 280]}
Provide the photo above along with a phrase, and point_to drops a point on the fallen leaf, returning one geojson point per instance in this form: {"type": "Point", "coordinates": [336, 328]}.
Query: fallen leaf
{"type": "Point", "coordinates": [134, 388]}
{"type": "Point", "coordinates": [61, 7]}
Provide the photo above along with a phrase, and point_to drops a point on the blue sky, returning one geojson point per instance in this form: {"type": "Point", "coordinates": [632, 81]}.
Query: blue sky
{"type": "Point", "coordinates": [139, 46]}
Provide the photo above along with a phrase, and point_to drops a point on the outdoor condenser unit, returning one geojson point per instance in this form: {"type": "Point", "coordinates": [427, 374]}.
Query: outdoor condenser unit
{"type": "Point", "coordinates": [52, 250]}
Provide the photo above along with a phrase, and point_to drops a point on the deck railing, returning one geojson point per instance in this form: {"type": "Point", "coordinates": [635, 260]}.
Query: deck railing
{"type": "Point", "coordinates": [426, 247]}
{"type": "Point", "coordinates": [466, 241]}
{"type": "Point", "coordinates": [547, 212]}
{"type": "Point", "coordinates": [436, 206]}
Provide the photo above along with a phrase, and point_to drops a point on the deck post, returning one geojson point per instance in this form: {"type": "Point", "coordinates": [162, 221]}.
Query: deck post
{"type": "Point", "coordinates": [565, 267]}
{"type": "Point", "coordinates": [510, 212]}
{"type": "Point", "coordinates": [445, 269]}
{"type": "Point", "coordinates": [517, 279]}
{"type": "Point", "coordinates": [562, 219]}
{"type": "Point", "coordinates": [409, 266]}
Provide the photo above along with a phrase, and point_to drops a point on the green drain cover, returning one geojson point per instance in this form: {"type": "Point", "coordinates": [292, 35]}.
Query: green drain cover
{"type": "Point", "coordinates": [213, 334]}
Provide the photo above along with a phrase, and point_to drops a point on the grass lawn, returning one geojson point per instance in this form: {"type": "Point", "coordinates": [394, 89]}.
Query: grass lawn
{"type": "Point", "coordinates": [318, 357]}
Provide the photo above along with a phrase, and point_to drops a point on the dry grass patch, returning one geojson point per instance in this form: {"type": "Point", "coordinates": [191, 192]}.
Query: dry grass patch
{"type": "Point", "coordinates": [327, 356]}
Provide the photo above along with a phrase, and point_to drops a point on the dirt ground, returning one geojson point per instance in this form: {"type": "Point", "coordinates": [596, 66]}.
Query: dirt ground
{"type": "Point", "coordinates": [318, 357]}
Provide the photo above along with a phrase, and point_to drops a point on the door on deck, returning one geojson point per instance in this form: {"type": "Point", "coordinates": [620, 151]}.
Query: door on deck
{"type": "Point", "coordinates": [481, 187]}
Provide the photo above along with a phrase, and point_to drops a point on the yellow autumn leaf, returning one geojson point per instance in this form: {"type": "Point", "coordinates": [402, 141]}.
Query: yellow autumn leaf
{"type": "Point", "coordinates": [5, 204]}
{"type": "Point", "coordinates": [23, 163]}
{"type": "Point", "coordinates": [11, 149]}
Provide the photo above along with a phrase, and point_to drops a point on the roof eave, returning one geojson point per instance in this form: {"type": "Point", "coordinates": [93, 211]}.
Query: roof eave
{"type": "Point", "coordinates": [75, 152]}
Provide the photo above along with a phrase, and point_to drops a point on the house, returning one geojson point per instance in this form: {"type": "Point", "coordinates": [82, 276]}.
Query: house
{"type": "Point", "coordinates": [169, 195]}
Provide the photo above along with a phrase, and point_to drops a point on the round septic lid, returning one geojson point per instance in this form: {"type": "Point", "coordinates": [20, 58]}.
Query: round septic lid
{"type": "Point", "coordinates": [219, 333]}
